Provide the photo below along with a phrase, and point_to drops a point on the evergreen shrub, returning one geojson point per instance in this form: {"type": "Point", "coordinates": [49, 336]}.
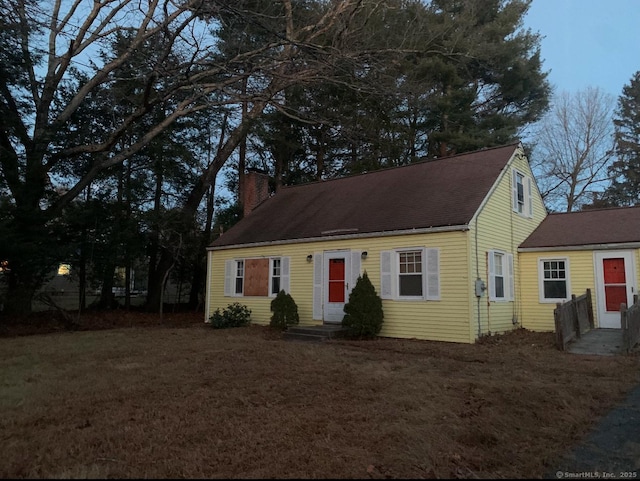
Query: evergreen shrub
{"type": "Point", "coordinates": [363, 313]}
{"type": "Point", "coordinates": [234, 315]}
{"type": "Point", "coordinates": [285, 311]}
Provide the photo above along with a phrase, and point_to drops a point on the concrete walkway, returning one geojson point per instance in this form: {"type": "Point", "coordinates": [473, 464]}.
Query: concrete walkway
{"type": "Point", "coordinates": [601, 342]}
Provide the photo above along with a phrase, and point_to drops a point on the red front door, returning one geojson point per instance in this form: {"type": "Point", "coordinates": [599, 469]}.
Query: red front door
{"type": "Point", "coordinates": [615, 283]}
{"type": "Point", "coordinates": [336, 280]}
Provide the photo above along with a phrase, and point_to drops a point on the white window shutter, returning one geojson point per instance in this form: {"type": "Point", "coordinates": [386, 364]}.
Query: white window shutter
{"type": "Point", "coordinates": [386, 275]}
{"type": "Point", "coordinates": [433, 274]}
{"type": "Point", "coordinates": [317, 286]}
{"type": "Point", "coordinates": [284, 274]}
{"type": "Point", "coordinates": [509, 275]}
{"type": "Point", "coordinates": [355, 269]}
{"type": "Point", "coordinates": [229, 267]}
{"type": "Point", "coordinates": [529, 198]}
{"type": "Point", "coordinates": [492, 275]}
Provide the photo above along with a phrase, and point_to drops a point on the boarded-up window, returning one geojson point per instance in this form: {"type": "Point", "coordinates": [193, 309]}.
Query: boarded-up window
{"type": "Point", "coordinates": [256, 277]}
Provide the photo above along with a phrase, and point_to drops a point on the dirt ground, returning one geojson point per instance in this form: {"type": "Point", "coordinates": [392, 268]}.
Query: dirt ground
{"type": "Point", "coordinates": [129, 396]}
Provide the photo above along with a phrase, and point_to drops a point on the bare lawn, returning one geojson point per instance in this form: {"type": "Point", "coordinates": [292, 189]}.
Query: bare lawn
{"type": "Point", "coordinates": [183, 400]}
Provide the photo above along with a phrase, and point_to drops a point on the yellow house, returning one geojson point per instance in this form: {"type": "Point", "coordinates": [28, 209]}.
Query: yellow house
{"type": "Point", "coordinates": [438, 239]}
{"type": "Point", "coordinates": [569, 253]}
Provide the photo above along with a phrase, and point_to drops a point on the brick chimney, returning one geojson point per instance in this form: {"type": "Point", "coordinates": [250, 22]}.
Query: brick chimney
{"type": "Point", "coordinates": [256, 189]}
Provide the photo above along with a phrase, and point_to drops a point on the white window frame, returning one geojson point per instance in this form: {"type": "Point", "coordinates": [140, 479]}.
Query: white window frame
{"type": "Point", "coordinates": [236, 270]}
{"type": "Point", "coordinates": [390, 274]}
{"type": "Point", "coordinates": [541, 279]}
{"type": "Point", "coordinates": [507, 275]}
{"type": "Point", "coordinates": [272, 266]}
{"type": "Point", "coordinates": [423, 269]}
{"type": "Point", "coordinates": [524, 208]}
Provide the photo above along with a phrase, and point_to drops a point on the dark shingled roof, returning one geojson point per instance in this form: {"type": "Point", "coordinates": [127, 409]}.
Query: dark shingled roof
{"type": "Point", "coordinates": [434, 193]}
{"type": "Point", "coordinates": [588, 227]}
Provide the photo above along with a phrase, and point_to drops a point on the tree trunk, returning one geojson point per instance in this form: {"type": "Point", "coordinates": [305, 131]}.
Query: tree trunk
{"type": "Point", "coordinates": [154, 243]}
{"type": "Point", "coordinates": [200, 265]}
{"type": "Point", "coordinates": [156, 283]}
{"type": "Point", "coordinates": [194, 199]}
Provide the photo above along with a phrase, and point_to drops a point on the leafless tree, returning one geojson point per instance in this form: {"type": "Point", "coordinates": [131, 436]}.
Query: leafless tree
{"type": "Point", "coordinates": [47, 41]}
{"type": "Point", "coordinates": [574, 147]}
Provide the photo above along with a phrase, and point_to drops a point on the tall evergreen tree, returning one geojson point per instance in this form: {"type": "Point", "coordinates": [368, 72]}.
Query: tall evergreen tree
{"type": "Point", "coordinates": [625, 171]}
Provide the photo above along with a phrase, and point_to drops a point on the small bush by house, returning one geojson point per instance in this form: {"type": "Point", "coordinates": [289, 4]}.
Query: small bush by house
{"type": "Point", "coordinates": [234, 315]}
{"type": "Point", "coordinates": [363, 313]}
{"type": "Point", "coordinates": [285, 311]}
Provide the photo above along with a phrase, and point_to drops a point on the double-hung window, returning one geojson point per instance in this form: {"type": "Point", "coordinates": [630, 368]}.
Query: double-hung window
{"type": "Point", "coordinates": [501, 286]}
{"type": "Point", "coordinates": [410, 274]}
{"type": "Point", "coordinates": [522, 200]}
{"type": "Point", "coordinates": [276, 272]}
{"type": "Point", "coordinates": [553, 275]}
{"type": "Point", "coordinates": [410, 280]}
{"type": "Point", "coordinates": [239, 283]}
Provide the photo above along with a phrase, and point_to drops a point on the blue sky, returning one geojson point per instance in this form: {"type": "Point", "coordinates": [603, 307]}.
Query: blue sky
{"type": "Point", "coordinates": [588, 42]}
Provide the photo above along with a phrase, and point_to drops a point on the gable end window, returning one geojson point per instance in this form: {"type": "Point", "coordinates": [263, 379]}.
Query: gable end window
{"type": "Point", "coordinates": [501, 286]}
{"type": "Point", "coordinates": [522, 199]}
{"type": "Point", "coordinates": [553, 276]}
{"type": "Point", "coordinates": [410, 274]}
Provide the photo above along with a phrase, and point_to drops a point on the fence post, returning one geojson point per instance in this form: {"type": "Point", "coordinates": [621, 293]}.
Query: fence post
{"type": "Point", "coordinates": [574, 311]}
{"type": "Point", "coordinates": [557, 320]}
{"type": "Point", "coordinates": [625, 327]}
{"type": "Point", "coordinates": [590, 310]}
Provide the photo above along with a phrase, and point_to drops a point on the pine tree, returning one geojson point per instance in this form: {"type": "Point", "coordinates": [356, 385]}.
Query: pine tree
{"type": "Point", "coordinates": [625, 188]}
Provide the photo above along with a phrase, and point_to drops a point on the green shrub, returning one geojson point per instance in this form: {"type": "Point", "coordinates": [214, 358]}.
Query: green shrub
{"type": "Point", "coordinates": [285, 311]}
{"type": "Point", "coordinates": [234, 315]}
{"type": "Point", "coordinates": [363, 313]}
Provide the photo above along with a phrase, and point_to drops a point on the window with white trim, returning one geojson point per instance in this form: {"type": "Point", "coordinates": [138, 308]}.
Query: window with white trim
{"type": "Point", "coordinates": [276, 266]}
{"type": "Point", "coordinates": [522, 200]}
{"type": "Point", "coordinates": [553, 275]}
{"type": "Point", "coordinates": [501, 287]}
{"type": "Point", "coordinates": [411, 273]}
{"type": "Point", "coordinates": [239, 281]}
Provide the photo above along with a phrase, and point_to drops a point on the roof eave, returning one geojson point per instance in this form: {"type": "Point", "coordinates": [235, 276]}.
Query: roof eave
{"type": "Point", "coordinates": [585, 247]}
{"type": "Point", "coordinates": [363, 235]}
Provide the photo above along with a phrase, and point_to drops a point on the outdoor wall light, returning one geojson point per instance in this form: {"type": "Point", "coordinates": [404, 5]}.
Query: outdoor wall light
{"type": "Point", "coordinates": [309, 258]}
{"type": "Point", "coordinates": [363, 255]}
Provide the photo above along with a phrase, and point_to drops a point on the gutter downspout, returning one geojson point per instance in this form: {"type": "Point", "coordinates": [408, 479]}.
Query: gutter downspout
{"type": "Point", "coordinates": [478, 271]}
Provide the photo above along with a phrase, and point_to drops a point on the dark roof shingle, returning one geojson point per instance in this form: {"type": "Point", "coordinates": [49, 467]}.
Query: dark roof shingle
{"type": "Point", "coordinates": [588, 227]}
{"type": "Point", "coordinates": [435, 193]}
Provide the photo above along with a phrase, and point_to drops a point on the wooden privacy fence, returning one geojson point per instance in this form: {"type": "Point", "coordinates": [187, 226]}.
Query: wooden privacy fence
{"type": "Point", "coordinates": [573, 318]}
{"type": "Point", "coordinates": [630, 323]}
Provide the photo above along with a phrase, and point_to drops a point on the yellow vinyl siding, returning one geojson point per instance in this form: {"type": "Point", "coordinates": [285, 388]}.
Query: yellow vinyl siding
{"type": "Point", "coordinates": [444, 320]}
{"type": "Point", "coordinates": [538, 316]}
{"type": "Point", "coordinates": [497, 227]}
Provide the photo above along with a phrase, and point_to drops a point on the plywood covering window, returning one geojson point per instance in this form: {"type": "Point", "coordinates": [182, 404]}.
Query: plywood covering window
{"type": "Point", "coordinates": [256, 277]}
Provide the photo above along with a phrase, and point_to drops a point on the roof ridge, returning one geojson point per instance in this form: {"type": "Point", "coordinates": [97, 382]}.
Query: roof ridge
{"type": "Point", "coordinates": [599, 209]}
{"type": "Point", "coordinates": [419, 162]}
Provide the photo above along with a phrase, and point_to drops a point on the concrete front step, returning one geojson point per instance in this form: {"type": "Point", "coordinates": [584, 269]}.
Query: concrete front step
{"type": "Point", "coordinates": [313, 333]}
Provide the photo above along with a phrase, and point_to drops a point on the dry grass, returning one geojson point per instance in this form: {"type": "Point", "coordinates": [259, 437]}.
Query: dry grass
{"type": "Point", "coordinates": [242, 403]}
